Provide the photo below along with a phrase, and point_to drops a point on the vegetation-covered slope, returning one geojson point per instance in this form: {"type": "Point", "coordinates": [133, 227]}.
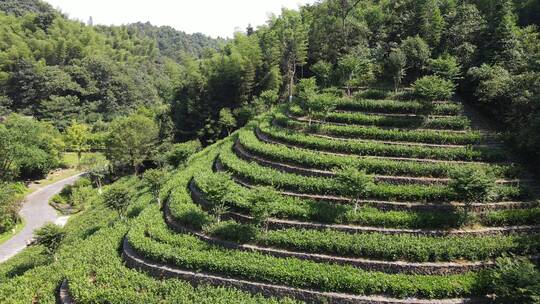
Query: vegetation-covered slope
{"type": "Point", "coordinates": [273, 204]}
{"type": "Point", "coordinates": [396, 193]}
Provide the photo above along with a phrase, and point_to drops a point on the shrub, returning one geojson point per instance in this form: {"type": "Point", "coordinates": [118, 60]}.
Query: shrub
{"type": "Point", "coordinates": [307, 88]}
{"type": "Point", "coordinates": [445, 66]}
{"type": "Point", "coordinates": [50, 236]}
{"type": "Point", "coordinates": [263, 200]}
{"type": "Point", "coordinates": [319, 103]}
{"type": "Point", "coordinates": [179, 153]}
{"type": "Point", "coordinates": [433, 88]}
{"type": "Point", "coordinates": [472, 185]}
{"type": "Point", "coordinates": [515, 281]}
{"type": "Point", "coordinates": [82, 182]}
{"type": "Point", "coordinates": [58, 199]}
{"type": "Point", "coordinates": [117, 197]}
{"type": "Point", "coordinates": [10, 199]}
{"type": "Point", "coordinates": [218, 193]}
{"type": "Point", "coordinates": [233, 231]}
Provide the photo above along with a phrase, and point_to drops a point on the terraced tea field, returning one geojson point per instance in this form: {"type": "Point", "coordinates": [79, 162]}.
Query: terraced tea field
{"type": "Point", "coordinates": [266, 211]}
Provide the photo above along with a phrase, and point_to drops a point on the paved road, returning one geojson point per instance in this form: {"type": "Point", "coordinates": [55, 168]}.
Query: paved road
{"type": "Point", "coordinates": [36, 212]}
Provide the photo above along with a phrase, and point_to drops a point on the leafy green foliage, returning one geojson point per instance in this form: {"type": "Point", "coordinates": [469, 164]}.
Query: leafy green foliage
{"type": "Point", "coordinates": [227, 120]}
{"type": "Point", "coordinates": [433, 88]}
{"type": "Point", "coordinates": [515, 280]}
{"type": "Point", "coordinates": [446, 66]}
{"type": "Point", "coordinates": [118, 198]}
{"type": "Point", "coordinates": [397, 61]}
{"type": "Point", "coordinates": [263, 200]}
{"type": "Point", "coordinates": [28, 148]}
{"type": "Point", "coordinates": [180, 152]}
{"type": "Point", "coordinates": [10, 200]}
{"type": "Point", "coordinates": [154, 179]}
{"type": "Point", "coordinates": [77, 139]}
{"type": "Point", "coordinates": [472, 185]}
{"type": "Point", "coordinates": [131, 141]}
{"type": "Point", "coordinates": [50, 236]}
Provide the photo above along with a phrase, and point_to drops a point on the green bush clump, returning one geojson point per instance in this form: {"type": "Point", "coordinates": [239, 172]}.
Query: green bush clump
{"type": "Point", "coordinates": [472, 185]}
{"type": "Point", "coordinates": [11, 196]}
{"type": "Point", "coordinates": [515, 280]}
{"type": "Point", "coordinates": [180, 152]}
{"type": "Point", "coordinates": [433, 88]}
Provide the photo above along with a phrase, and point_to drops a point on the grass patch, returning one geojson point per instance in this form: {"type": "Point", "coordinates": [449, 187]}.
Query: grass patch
{"type": "Point", "coordinates": [12, 232]}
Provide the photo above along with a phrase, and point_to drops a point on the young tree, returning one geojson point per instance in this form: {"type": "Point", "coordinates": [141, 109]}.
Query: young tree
{"type": "Point", "coordinates": [217, 193]}
{"type": "Point", "coordinates": [355, 183]}
{"type": "Point", "coordinates": [117, 197]}
{"type": "Point", "coordinates": [323, 72]}
{"type": "Point", "coordinates": [263, 200]}
{"type": "Point", "coordinates": [77, 139]}
{"type": "Point", "coordinates": [292, 35]}
{"type": "Point", "coordinates": [396, 66]}
{"type": "Point", "coordinates": [320, 103]}
{"type": "Point", "coordinates": [356, 68]}
{"type": "Point", "coordinates": [417, 52]}
{"type": "Point", "coordinates": [50, 236]}
{"type": "Point", "coordinates": [227, 120]}
{"type": "Point", "coordinates": [97, 167]}
{"type": "Point", "coordinates": [154, 179]}
{"type": "Point", "coordinates": [307, 89]}
{"type": "Point", "coordinates": [471, 186]}
{"type": "Point", "coordinates": [132, 140]}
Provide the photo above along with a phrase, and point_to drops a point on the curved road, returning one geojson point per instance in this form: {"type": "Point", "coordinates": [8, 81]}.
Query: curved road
{"type": "Point", "coordinates": [36, 212]}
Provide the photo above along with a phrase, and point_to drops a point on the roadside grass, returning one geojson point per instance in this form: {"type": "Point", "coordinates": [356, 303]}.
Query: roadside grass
{"type": "Point", "coordinates": [12, 232]}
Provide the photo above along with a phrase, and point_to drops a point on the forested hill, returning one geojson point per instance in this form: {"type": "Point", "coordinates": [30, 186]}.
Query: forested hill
{"type": "Point", "coordinates": [173, 43]}
{"type": "Point", "coordinates": [57, 70]}
{"type": "Point", "coordinates": [23, 7]}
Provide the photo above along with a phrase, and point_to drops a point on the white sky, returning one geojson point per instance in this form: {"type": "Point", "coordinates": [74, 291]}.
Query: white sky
{"type": "Point", "coordinates": [210, 17]}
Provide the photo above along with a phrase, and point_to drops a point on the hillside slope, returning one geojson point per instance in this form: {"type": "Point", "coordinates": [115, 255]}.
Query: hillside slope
{"type": "Point", "coordinates": [266, 211]}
